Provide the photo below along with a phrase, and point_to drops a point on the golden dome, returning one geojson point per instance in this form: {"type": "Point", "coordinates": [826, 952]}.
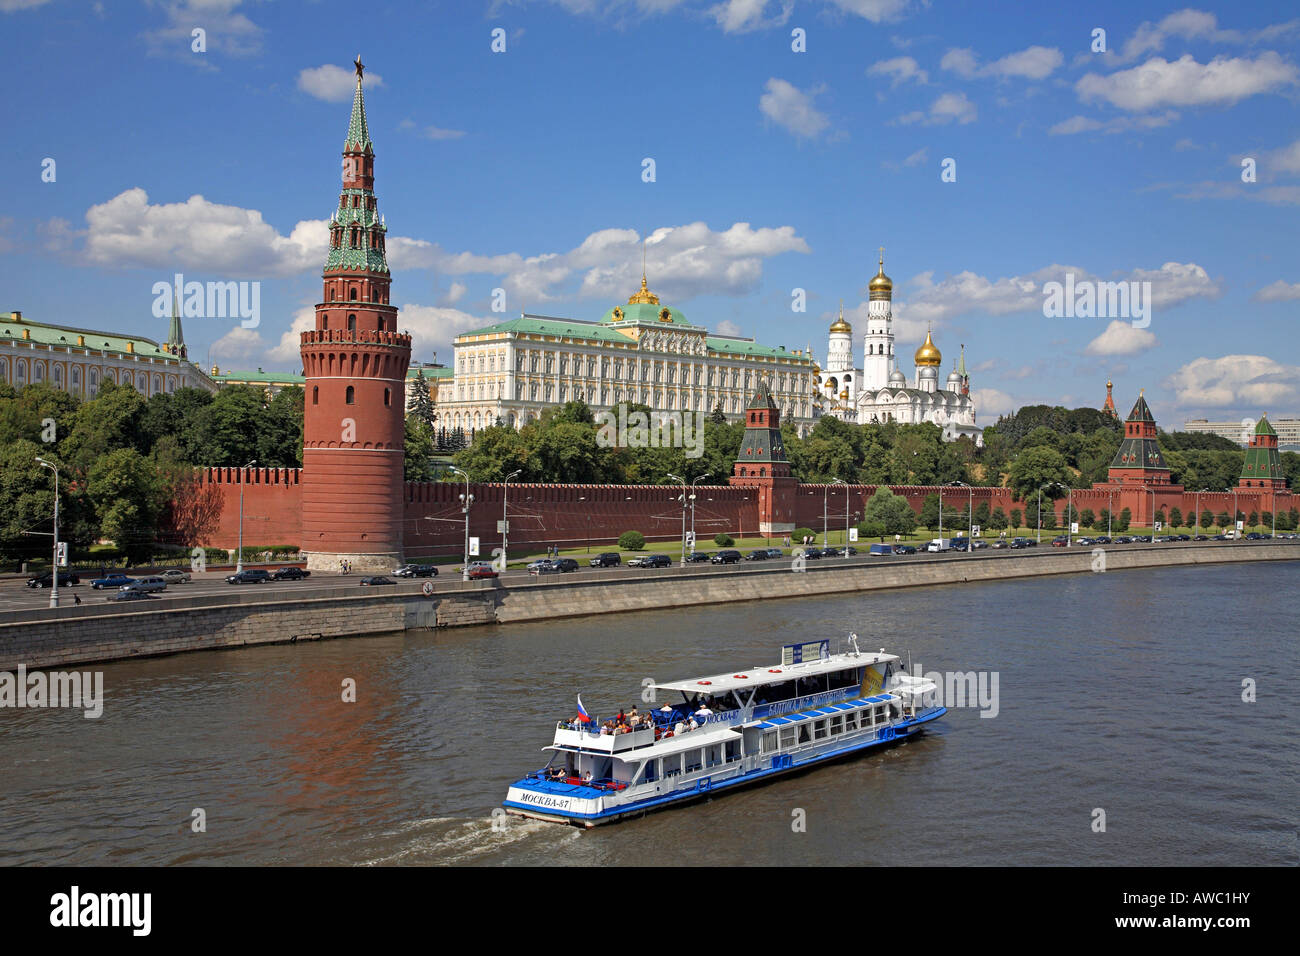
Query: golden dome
{"type": "Point", "coordinates": [880, 287]}
{"type": "Point", "coordinates": [644, 295]}
{"type": "Point", "coordinates": [839, 325]}
{"type": "Point", "coordinates": [928, 354]}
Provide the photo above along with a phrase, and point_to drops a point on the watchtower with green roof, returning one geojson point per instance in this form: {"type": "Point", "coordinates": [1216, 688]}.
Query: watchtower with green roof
{"type": "Point", "coordinates": [763, 466]}
{"type": "Point", "coordinates": [1263, 465]}
{"type": "Point", "coordinates": [1139, 458]}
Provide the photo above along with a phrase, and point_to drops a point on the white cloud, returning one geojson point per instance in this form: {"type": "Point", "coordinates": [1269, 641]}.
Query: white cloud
{"type": "Point", "coordinates": [792, 109]}
{"type": "Point", "coordinates": [992, 402]}
{"type": "Point", "coordinates": [227, 31]}
{"type": "Point", "coordinates": [1241, 381]}
{"type": "Point", "coordinates": [12, 6]}
{"type": "Point", "coordinates": [1031, 63]}
{"type": "Point", "coordinates": [1279, 291]}
{"type": "Point", "coordinates": [1120, 124]}
{"type": "Point", "coordinates": [334, 84]}
{"type": "Point", "coordinates": [434, 328]}
{"type": "Point", "coordinates": [877, 11]}
{"type": "Point", "coordinates": [744, 16]}
{"type": "Point", "coordinates": [900, 69]}
{"type": "Point", "coordinates": [1195, 25]}
{"type": "Point", "coordinates": [247, 348]}
{"type": "Point", "coordinates": [1185, 82]}
{"type": "Point", "coordinates": [948, 108]}
{"type": "Point", "coordinates": [727, 327]}
{"type": "Point", "coordinates": [455, 293]}
{"type": "Point", "coordinates": [128, 231]}
{"type": "Point", "coordinates": [1284, 160]}
{"type": "Point", "coordinates": [435, 133]}
{"type": "Point", "coordinates": [1121, 338]}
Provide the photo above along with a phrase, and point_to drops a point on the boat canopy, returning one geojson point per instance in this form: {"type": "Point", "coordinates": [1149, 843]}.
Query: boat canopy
{"type": "Point", "coordinates": [907, 686]}
{"type": "Point", "coordinates": [830, 710]}
{"type": "Point", "coordinates": [758, 676]}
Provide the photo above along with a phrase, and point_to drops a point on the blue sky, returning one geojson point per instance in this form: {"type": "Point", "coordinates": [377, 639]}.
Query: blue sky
{"type": "Point", "coordinates": [774, 170]}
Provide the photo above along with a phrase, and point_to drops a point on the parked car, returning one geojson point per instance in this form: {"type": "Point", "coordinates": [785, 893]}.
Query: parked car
{"type": "Point", "coordinates": [656, 561]}
{"type": "Point", "coordinates": [609, 559]}
{"type": "Point", "coordinates": [375, 580]}
{"type": "Point", "coordinates": [904, 549]}
{"type": "Point", "coordinates": [129, 594]}
{"type": "Point", "coordinates": [249, 576]}
{"type": "Point", "coordinates": [175, 576]}
{"type": "Point", "coordinates": [1002, 543]}
{"type": "Point", "coordinates": [481, 569]}
{"type": "Point", "coordinates": [1018, 543]}
{"type": "Point", "coordinates": [1060, 541]}
{"type": "Point", "coordinates": [1183, 537]}
{"type": "Point", "coordinates": [883, 550]}
{"type": "Point", "coordinates": [114, 581]}
{"type": "Point", "coordinates": [848, 552]}
{"type": "Point", "coordinates": [1101, 539]}
{"type": "Point", "coordinates": [1201, 537]}
{"type": "Point", "coordinates": [1254, 536]}
{"type": "Point", "coordinates": [979, 545]}
{"type": "Point", "coordinates": [565, 565]}
{"type": "Point", "coordinates": [810, 552]}
{"type": "Point", "coordinates": [697, 556]}
{"type": "Point", "coordinates": [291, 574]}
{"type": "Point", "coordinates": [758, 554]}
{"type": "Point", "coordinates": [541, 566]}
{"type": "Point", "coordinates": [775, 553]}
{"type": "Point", "coordinates": [46, 580]}
{"type": "Point", "coordinates": [416, 571]}
{"type": "Point", "coordinates": [725, 557]}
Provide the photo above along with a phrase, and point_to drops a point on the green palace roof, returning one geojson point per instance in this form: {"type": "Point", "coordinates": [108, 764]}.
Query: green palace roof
{"type": "Point", "coordinates": [1264, 428]}
{"type": "Point", "coordinates": [62, 336]}
{"type": "Point", "coordinates": [297, 378]}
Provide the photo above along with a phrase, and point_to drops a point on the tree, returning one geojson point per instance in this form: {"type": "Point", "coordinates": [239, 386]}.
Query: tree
{"type": "Point", "coordinates": [1036, 467]}
{"type": "Point", "coordinates": [1102, 521]}
{"type": "Point", "coordinates": [1175, 517]}
{"type": "Point", "coordinates": [419, 445]}
{"type": "Point", "coordinates": [1207, 518]}
{"type": "Point", "coordinates": [421, 403]}
{"type": "Point", "coordinates": [1266, 519]}
{"type": "Point", "coordinates": [929, 517]}
{"type": "Point", "coordinates": [982, 513]}
{"type": "Point", "coordinates": [1125, 517]}
{"type": "Point", "coordinates": [1253, 519]}
{"type": "Point", "coordinates": [226, 431]}
{"type": "Point", "coordinates": [890, 511]}
{"type": "Point", "coordinates": [631, 541]}
{"type": "Point", "coordinates": [1222, 519]}
{"type": "Point", "coordinates": [718, 416]}
{"type": "Point", "coordinates": [1016, 519]}
{"type": "Point", "coordinates": [998, 519]}
{"type": "Point", "coordinates": [125, 489]}
{"type": "Point", "coordinates": [1087, 519]}
{"type": "Point", "coordinates": [723, 540]}
{"type": "Point", "coordinates": [279, 439]}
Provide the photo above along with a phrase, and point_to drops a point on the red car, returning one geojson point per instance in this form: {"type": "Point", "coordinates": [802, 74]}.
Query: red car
{"type": "Point", "coordinates": [482, 569]}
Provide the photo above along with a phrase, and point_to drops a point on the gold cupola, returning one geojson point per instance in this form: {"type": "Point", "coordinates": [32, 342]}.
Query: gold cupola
{"type": "Point", "coordinates": [839, 325]}
{"type": "Point", "coordinates": [881, 287]}
{"type": "Point", "coordinates": [643, 296]}
{"type": "Point", "coordinates": [928, 354]}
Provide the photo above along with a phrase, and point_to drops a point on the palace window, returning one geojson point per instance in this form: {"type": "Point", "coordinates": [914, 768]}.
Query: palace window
{"type": "Point", "coordinates": [350, 398]}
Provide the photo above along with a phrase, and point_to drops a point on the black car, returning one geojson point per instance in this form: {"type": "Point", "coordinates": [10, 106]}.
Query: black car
{"type": "Point", "coordinates": [758, 555]}
{"type": "Point", "coordinates": [1201, 537]}
{"type": "Point", "coordinates": [1101, 539]}
{"type": "Point", "coordinates": [610, 559]}
{"type": "Point", "coordinates": [289, 574]}
{"type": "Point", "coordinates": [129, 594]}
{"type": "Point", "coordinates": [904, 549]}
{"type": "Point", "coordinates": [697, 556]}
{"type": "Point", "coordinates": [416, 571]}
{"type": "Point", "coordinates": [725, 557]}
{"type": "Point", "coordinates": [46, 580]}
{"type": "Point", "coordinates": [249, 576]}
{"type": "Point", "coordinates": [656, 561]}
{"type": "Point", "coordinates": [813, 553]}
{"type": "Point", "coordinates": [565, 564]}
{"type": "Point", "coordinates": [374, 580]}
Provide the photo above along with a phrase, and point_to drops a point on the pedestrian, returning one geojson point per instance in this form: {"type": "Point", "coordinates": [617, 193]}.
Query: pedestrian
{"type": "Point", "coordinates": [76, 599]}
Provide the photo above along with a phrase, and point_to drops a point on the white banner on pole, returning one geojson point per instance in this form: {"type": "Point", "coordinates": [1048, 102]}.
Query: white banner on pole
{"type": "Point", "coordinates": [473, 547]}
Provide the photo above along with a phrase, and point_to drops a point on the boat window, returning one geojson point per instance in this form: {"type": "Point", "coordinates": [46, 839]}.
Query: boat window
{"type": "Point", "coordinates": [844, 679]}
{"type": "Point", "coordinates": [878, 713]}
{"type": "Point", "coordinates": [805, 733]}
{"type": "Point", "coordinates": [651, 772]}
{"type": "Point", "coordinates": [715, 755]}
{"type": "Point", "coordinates": [672, 765]}
{"type": "Point", "coordinates": [733, 750]}
{"type": "Point", "coordinates": [837, 725]}
{"type": "Point", "coordinates": [819, 730]}
{"type": "Point", "coordinates": [787, 737]}
{"type": "Point", "coordinates": [769, 741]}
{"type": "Point", "coordinates": [851, 720]}
{"type": "Point", "coordinates": [693, 760]}
{"type": "Point", "coordinates": [775, 693]}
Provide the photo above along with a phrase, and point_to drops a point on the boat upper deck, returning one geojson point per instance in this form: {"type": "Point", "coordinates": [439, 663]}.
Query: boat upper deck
{"type": "Point", "coordinates": [757, 676]}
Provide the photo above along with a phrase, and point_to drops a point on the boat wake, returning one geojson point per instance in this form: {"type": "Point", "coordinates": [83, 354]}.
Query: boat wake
{"type": "Point", "coordinates": [449, 841]}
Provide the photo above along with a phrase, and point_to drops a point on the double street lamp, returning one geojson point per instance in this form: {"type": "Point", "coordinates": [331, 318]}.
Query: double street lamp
{"type": "Point", "coordinates": [683, 501]}
{"type": "Point", "coordinates": [505, 517]}
{"type": "Point", "coordinates": [1050, 484]}
{"type": "Point", "coordinates": [970, 514]}
{"type": "Point", "coordinates": [468, 499]}
{"type": "Point", "coordinates": [836, 481]}
{"type": "Point", "coordinates": [54, 567]}
{"type": "Point", "coordinates": [693, 481]}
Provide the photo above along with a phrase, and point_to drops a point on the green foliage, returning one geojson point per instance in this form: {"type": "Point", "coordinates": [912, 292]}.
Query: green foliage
{"type": "Point", "coordinates": [1175, 517]}
{"type": "Point", "coordinates": [125, 489]}
{"type": "Point", "coordinates": [631, 541]}
{"type": "Point", "coordinates": [1087, 519]}
{"type": "Point", "coordinates": [421, 403]}
{"type": "Point", "coordinates": [798, 535]}
{"type": "Point", "coordinates": [929, 517]}
{"type": "Point", "coordinates": [1017, 520]}
{"type": "Point", "coordinates": [723, 540]}
{"type": "Point", "coordinates": [998, 519]}
{"type": "Point", "coordinates": [1036, 467]}
{"type": "Point", "coordinates": [890, 512]}
{"type": "Point", "coordinates": [1122, 522]}
{"type": "Point", "coordinates": [419, 450]}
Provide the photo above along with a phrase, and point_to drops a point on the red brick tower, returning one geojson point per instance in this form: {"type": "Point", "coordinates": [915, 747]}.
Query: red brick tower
{"type": "Point", "coordinates": [762, 464]}
{"type": "Point", "coordinates": [1262, 467]}
{"type": "Point", "coordinates": [355, 365]}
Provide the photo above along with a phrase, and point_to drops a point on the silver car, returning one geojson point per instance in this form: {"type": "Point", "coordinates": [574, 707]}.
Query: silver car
{"type": "Point", "coordinates": [175, 576]}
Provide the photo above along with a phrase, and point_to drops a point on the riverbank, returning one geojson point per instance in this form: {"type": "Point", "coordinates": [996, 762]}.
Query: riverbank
{"type": "Point", "coordinates": [89, 634]}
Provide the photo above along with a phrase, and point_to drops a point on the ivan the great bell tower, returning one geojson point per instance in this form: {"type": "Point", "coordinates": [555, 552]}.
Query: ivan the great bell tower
{"type": "Point", "coordinates": [355, 364]}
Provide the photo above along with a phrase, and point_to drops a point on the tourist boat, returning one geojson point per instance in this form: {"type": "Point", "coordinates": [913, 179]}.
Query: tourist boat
{"type": "Point", "coordinates": [727, 731]}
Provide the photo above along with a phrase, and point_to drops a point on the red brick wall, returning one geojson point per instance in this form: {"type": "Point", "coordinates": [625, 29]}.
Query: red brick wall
{"type": "Point", "coordinates": [272, 505]}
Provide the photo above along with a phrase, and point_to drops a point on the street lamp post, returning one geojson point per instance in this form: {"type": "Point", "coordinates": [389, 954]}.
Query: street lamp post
{"type": "Point", "coordinates": [683, 500]}
{"type": "Point", "coordinates": [693, 480]}
{"type": "Point", "coordinates": [1050, 484]}
{"type": "Point", "coordinates": [826, 489]}
{"type": "Point", "coordinates": [505, 517]}
{"type": "Point", "coordinates": [1235, 511]}
{"type": "Point", "coordinates": [468, 499]}
{"type": "Point", "coordinates": [1110, 508]}
{"type": "Point", "coordinates": [970, 515]}
{"type": "Point", "coordinates": [239, 560]}
{"type": "Point", "coordinates": [837, 481]}
{"type": "Point", "coordinates": [54, 566]}
{"type": "Point", "coordinates": [1198, 510]}
{"type": "Point", "coordinates": [1153, 513]}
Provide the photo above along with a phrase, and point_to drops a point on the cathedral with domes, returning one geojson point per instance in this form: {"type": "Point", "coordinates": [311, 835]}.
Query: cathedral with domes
{"type": "Point", "coordinates": [879, 391]}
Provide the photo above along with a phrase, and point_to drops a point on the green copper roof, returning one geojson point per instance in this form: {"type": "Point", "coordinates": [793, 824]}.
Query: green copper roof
{"type": "Point", "coordinates": [358, 131]}
{"type": "Point", "coordinates": [66, 336]}
{"type": "Point", "coordinates": [745, 347]}
{"type": "Point", "coordinates": [1141, 411]}
{"type": "Point", "coordinates": [297, 378]}
{"type": "Point", "coordinates": [174, 334]}
{"type": "Point", "coordinates": [1264, 428]}
{"type": "Point", "coordinates": [645, 312]}
{"type": "Point", "coordinates": [558, 327]}
{"type": "Point", "coordinates": [762, 398]}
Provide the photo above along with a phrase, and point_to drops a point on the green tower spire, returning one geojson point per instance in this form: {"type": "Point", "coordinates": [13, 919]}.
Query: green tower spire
{"type": "Point", "coordinates": [358, 131]}
{"type": "Point", "coordinates": [174, 334]}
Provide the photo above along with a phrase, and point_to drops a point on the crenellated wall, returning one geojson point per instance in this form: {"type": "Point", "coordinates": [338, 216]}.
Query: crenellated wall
{"type": "Point", "coordinates": [272, 505]}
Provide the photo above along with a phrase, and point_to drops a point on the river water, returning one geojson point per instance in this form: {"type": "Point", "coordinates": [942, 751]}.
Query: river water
{"type": "Point", "coordinates": [1118, 692]}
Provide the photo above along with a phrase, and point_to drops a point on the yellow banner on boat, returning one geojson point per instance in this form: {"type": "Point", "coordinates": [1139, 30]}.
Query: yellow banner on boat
{"type": "Point", "coordinates": [872, 681]}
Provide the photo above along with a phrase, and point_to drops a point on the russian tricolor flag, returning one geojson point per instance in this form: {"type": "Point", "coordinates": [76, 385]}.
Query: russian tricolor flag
{"type": "Point", "coordinates": [582, 712]}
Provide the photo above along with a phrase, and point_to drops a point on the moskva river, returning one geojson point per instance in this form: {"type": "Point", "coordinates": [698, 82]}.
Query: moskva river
{"type": "Point", "coordinates": [1119, 702]}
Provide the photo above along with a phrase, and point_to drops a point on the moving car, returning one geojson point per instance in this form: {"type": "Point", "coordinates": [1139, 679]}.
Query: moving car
{"type": "Point", "coordinates": [129, 594]}
{"type": "Point", "coordinates": [696, 556]}
{"type": "Point", "coordinates": [904, 549]}
{"type": "Point", "coordinates": [758, 554]}
{"type": "Point", "coordinates": [609, 559]}
{"type": "Point", "coordinates": [939, 545]}
{"type": "Point", "coordinates": [775, 553]}
{"type": "Point", "coordinates": [152, 583]}
{"type": "Point", "coordinates": [883, 549]}
{"type": "Point", "coordinates": [725, 557]}
{"type": "Point", "coordinates": [542, 566]}
{"type": "Point", "coordinates": [249, 576]}
{"type": "Point", "coordinates": [481, 569]}
{"type": "Point", "coordinates": [375, 580]}
{"type": "Point", "coordinates": [416, 571]}
{"type": "Point", "coordinates": [1060, 541]}
{"type": "Point", "coordinates": [175, 576]}
{"type": "Point", "coordinates": [656, 561]}
{"type": "Point", "coordinates": [114, 580]}
{"type": "Point", "coordinates": [46, 580]}
{"type": "Point", "coordinates": [290, 574]}
{"type": "Point", "coordinates": [565, 564]}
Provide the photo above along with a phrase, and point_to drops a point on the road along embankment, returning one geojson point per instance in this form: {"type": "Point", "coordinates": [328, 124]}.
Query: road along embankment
{"type": "Point", "coordinates": [61, 637]}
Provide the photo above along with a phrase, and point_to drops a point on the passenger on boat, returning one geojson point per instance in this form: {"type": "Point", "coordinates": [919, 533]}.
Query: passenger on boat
{"type": "Point", "coordinates": [666, 709]}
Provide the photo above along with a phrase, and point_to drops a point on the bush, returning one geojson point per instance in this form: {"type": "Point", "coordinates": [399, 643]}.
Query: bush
{"type": "Point", "coordinates": [722, 541]}
{"type": "Point", "coordinates": [798, 535]}
{"type": "Point", "coordinates": [631, 541]}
